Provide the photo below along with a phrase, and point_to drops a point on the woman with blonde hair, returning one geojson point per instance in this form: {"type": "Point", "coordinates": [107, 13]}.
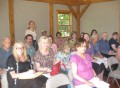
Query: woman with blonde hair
{"type": "Point", "coordinates": [20, 70]}
{"type": "Point", "coordinates": [97, 55]}
{"type": "Point", "coordinates": [72, 40]}
{"type": "Point", "coordinates": [44, 60]}
{"type": "Point", "coordinates": [32, 30]}
{"type": "Point", "coordinates": [64, 54]}
{"type": "Point", "coordinates": [44, 57]}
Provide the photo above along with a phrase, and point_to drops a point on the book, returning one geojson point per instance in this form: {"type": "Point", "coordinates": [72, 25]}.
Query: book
{"type": "Point", "coordinates": [31, 76]}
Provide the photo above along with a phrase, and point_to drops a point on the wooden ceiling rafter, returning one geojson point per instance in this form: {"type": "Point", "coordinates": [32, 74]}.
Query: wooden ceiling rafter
{"type": "Point", "coordinates": [70, 2]}
{"type": "Point", "coordinates": [72, 11]}
{"type": "Point", "coordinates": [64, 2]}
{"type": "Point", "coordinates": [85, 8]}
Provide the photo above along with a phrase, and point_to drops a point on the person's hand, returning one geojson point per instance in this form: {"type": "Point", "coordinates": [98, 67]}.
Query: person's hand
{"type": "Point", "coordinates": [111, 52]}
{"type": "Point", "coordinates": [101, 56]}
{"type": "Point", "coordinates": [90, 84]}
{"type": "Point", "coordinates": [94, 60]}
{"type": "Point", "coordinates": [49, 70]}
{"type": "Point", "coordinates": [2, 71]}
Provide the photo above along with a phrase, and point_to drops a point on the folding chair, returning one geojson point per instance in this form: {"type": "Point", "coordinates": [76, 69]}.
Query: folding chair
{"type": "Point", "coordinates": [114, 74]}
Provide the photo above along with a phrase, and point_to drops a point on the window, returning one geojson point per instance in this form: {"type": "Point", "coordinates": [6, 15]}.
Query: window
{"type": "Point", "coordinates": [64, 23]}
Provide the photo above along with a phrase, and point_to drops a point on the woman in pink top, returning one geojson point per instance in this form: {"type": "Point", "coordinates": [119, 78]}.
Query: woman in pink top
{"type": "Point", "coordinates": [82, 70]}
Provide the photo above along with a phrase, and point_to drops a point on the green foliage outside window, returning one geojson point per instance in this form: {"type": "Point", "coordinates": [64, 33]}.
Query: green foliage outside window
{"type": "Point", "coordinates": [64, 24]}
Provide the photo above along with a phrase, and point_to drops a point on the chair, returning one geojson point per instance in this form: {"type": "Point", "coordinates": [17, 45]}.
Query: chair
{"type": "Point", "coordinates": [116, 73]}
{"type": "Point", "coordinates": [118, 63]}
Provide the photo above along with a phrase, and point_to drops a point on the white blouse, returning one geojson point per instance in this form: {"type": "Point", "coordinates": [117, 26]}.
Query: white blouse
{"type": "Point", "coordinates": [33, 33]}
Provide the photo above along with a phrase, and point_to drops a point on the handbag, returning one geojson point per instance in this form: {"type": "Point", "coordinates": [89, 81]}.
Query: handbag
{"type": "Point", "coordinates": [56, 69]}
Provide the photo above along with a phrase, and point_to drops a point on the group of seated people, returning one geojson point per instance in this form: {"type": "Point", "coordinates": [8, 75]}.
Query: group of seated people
{"type": "Point", "coordinates": [18, 64]}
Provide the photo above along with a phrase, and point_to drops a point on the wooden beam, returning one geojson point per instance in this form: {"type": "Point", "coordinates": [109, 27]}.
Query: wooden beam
{"type": "Point", "coordinates": [11, 20]}
{"type": "Point", "coordinates": [78, 21]}
{"type": "Point", "coordinates": [85, 8]}
{"type": "Point", "coordinates": [119, 27]}
{"type": "Point", "coordinates": [97, 1]}
{"type": "Point", "coordinates": [83, 2]}
{"type": "Point", "coordinates": [51, 19]}
{"type": "Point", "coordinates": [70, 2]}
{"type": "Point", "coordinates": [64, 2]}
{"type": "Point", "coordinates": [72, 10]}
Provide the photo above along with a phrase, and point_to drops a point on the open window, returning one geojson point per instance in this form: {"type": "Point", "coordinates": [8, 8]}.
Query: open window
{"type": "Point", "coordinates": [64, 22]}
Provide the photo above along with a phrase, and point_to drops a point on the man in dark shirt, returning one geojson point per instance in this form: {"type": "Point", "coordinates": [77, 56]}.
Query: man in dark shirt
{"type": "Point", "coordinates": [113, 42]}
{"type": "Point", "coordinates": [5, 52]}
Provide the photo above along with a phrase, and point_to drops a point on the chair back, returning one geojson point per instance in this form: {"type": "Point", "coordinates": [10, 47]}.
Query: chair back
{"type": "Point", "coordinates": [111, 61]}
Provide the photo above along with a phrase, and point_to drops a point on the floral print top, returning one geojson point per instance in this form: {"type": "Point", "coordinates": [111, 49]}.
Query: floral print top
{"type": "Point", "coordinates": [63, 57]}
{"type": "Point", "coordinates": [44, 60]}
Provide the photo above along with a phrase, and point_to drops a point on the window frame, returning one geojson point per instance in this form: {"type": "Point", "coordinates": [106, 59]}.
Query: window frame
{"type": "Point", "coordinates": [71, 19]}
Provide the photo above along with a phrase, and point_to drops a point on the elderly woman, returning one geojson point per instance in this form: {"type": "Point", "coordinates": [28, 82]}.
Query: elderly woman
{"type": "Point", "coordinates": [83, 73]}
{"type": "Point", "coordinates": [20, 73]}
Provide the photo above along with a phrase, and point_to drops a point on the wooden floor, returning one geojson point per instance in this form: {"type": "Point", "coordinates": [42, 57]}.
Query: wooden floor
{"type": "Point", "coordinates": [112, 85]}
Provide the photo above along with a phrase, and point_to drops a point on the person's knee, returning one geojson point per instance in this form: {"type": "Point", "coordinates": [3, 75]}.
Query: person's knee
{"type": "Point", "coordinates": [118, 53]}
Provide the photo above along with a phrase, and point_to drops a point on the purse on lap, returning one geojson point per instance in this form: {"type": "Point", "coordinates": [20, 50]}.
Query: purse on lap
{"type": "Point", "coordinates": [56, 69]}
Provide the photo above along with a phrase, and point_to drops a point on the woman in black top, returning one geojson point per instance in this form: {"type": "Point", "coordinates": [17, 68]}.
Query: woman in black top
{"type": "Point", "coordinates": [20, 73]}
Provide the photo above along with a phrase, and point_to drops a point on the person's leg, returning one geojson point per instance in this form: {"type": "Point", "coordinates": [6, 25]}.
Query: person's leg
{"type": "Point", "coordinates": [63, 86]}
{"type": "Point", "coordinates": [118, 54]}
{"type": "Point", "coordinates": [96, 68]}
{"type": "Point", "coordinates": [83, 86]}
{"type": "Point", "coordinates": [42, 79]}
{"type": "Point", "coordinates": [4, 82]}
{"type": "Point", "coordinates": [29, 83]}
{"type": "Point", "coordinates": [57, 81]}
{"type": "Point", "coordinates": [100, 76]}
{"type": "Point", "coordinates": [98, 83]}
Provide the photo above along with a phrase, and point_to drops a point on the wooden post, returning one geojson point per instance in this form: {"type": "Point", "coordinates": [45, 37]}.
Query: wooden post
{"type": "Point", "coordinates": [51, 19]}
{"type": "Point", "coordinates": [119, 26]}
{"type": "Point", "coordinates": [78, 21]}
{"type": "Point", "coordinates": [11, 20]}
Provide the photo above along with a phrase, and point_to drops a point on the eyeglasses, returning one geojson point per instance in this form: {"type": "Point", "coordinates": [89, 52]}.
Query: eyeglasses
{"type": "Point", "coordinates": [19, 48]}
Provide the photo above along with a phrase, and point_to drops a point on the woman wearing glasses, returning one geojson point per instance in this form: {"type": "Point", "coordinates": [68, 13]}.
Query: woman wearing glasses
{"type": "Point", "coordinates": [20, 73]}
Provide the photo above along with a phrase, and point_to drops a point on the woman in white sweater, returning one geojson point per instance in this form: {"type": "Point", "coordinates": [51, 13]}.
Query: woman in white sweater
{"type": "Point", "coordinates": [32, 30]}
